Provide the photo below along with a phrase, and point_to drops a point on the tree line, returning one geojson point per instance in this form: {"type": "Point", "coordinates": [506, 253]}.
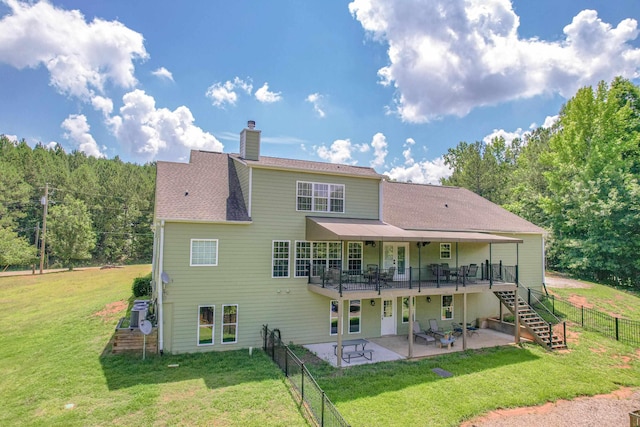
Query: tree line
{"type": "Point", "coordinates": [578, 179]}
{"type": "Point", "coordinates": [98, 209]}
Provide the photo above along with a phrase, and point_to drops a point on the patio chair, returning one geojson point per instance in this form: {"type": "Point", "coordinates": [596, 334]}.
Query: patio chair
{"type": "Point", "coordinates": [387, 276]}
{"type": "Point", "coordinates": [438, 272]}
{"type": "Point", "coordinates": [434, 329]}
{"type": "Point", "coordinates": [470, 274]}
{"type": "Point", "coordinates": [335, 276]}
{"type": "Point", "coordinates": [417, 333]}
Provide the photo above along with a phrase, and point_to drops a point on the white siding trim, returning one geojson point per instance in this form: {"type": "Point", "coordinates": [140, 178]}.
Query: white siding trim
{"type": "Point", "coordinates": [250, 190]}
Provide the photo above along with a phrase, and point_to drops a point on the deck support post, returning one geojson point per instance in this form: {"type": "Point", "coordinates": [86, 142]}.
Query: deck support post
{"type": "Point", "coordinates": [410, 336]}
{"type": "Point", "coordinates": [340, 321]}
{"type": "Point", "coordinates": [464, 320]}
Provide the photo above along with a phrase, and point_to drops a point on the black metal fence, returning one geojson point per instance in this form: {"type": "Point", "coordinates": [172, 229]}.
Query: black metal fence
{"type": "Point", "coordinates": [620, 329]}
{"type": "Point", "coordinates": [311, 395]}
{"type": "Point", "coordinates": [425, 277]}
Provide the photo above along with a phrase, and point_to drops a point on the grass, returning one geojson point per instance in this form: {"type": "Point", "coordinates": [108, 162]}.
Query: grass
{"type": "Point", "coordinates": [55, 328]}
{"type": "Point", "coordinates": [617, 303]}
{"type": "Point", "coordinates": [399, 393]}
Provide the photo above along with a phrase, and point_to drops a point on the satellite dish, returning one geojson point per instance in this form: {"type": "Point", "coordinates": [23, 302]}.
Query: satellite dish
{"type": "Point", "coordinates": [165, 277]}
{"type": "Point", "coordinates": [145, 327]}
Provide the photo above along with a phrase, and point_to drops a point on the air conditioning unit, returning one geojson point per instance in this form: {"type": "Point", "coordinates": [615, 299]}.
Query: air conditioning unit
{"type": "Point", "coordinates": [138, 313]}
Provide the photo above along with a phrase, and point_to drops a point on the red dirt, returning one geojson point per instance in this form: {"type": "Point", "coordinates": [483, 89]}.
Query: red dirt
{"type": "Point", "coordinates": [546, 413]}
{"type": "Point", "coordinates": [111, 309]}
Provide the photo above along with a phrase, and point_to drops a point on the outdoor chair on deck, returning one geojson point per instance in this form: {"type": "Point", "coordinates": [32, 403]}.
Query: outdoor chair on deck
{"type": "Point", "coordinates": [470, 274]}
{"type": "Point", "coordinates": [417, 333]}
{"type": "Point", "coordinates": [434, 329]}
{"type": "Point", "coordinates": [387, 276]}
{"type": "Point", "coordinates": [438, 272]}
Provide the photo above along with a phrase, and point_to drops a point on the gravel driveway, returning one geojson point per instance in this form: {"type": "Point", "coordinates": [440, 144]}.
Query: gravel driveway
{"type": "Point", "coordinates": [607, 410]}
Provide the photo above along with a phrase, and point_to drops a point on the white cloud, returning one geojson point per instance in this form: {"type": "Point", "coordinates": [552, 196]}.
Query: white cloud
{"type": "Point", "coordinates": [102, 104]}
{"type": "Point", "coordinates": [501, 133]}
{"type": "Point", "coordinates": [449, 56]}
{"type": "Point", "coordinates": [147, 130]}
{"type": "Point", "coordinates": [77, 131]}
{"type": "Point", "coordinates": [225, 93]}
{"type": "Point", "coordinates": [81, 57]}
{"type": "Point", "coordinates": [339, 152]}
{"type": "Point", "coordinates": [163, 73]}
{"type": "Point", "coordinates": [12, 138]}
{"type": "Point", "coordinates": [379, 144]}
{"type": "Point", "coordinates": [316, 100]}
{"type": "Point", "coordinates": [549, 121]}
{"type": "Point", "coordinates": [263, 95]}
{"type": "Point", "coordinates": [52, 145]}
{"type": "Point", "coordinates": [424, 172]}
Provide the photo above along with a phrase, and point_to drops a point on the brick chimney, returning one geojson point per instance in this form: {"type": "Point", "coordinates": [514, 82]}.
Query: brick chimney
{"type": "Point", "coordinates": [250, 142]}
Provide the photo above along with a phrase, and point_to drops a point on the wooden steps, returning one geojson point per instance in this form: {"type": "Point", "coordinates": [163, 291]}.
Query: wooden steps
{"type": "Point", "coordinates": [530, 319]}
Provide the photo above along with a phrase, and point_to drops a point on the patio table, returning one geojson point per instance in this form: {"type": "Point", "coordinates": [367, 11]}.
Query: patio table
{"type": "Point", "coordinates": [346, 343]}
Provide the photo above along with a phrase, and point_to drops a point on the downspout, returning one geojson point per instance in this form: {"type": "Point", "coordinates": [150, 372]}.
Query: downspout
{"type": "Point", "coordinates": [161, 290]}
{"type": "Point", "coordinates": [250, 190]}
{"type": "Point", "coordinates": [380, 201]}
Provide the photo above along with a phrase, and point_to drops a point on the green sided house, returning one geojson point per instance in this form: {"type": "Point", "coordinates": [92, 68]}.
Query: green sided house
{"type": "Point", "coordinates": [323, 252]}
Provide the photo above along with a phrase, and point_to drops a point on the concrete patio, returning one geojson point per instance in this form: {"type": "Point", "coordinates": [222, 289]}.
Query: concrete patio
{"type": "Point", "coordinates": [396, 347]}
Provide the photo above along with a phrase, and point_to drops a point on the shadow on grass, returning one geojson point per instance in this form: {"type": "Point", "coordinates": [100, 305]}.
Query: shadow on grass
{"type": "Point", "coordinates": [373, 379]}
{"type": "Point", "coordinates": [217, 369]}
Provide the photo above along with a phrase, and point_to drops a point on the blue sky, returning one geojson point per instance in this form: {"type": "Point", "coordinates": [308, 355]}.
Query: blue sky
{"type": "Point", "coordinates": [388, 84]}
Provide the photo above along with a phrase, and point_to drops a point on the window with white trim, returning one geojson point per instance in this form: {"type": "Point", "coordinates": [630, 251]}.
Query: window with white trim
{"type": "Point", "coordinates": [354, 316]}
{"type": "Point", "coordinates": [204, 252]}
{"type": "Point", "coordinates": [229, 323]}
{"type": "Point", "coordinates": [280, 258]}
{"type": "Point", "coordinates": [319, 197]}
{"type": "Point", "coordinates": [447, 307]}
{"type": "Point", "coordinates": [405, 309]}
{"type": "Point", "coordinates": [354, 256]}
{"type": "Point", "coordinates": [206, 324]}
{"type": "Point", "coordinates": [445, 250]}
{"type": "Point", "coordinates": [320, 255]}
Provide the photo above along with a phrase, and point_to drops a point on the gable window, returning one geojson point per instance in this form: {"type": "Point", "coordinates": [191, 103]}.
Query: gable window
{"type": "Point", "coordinates": [280, 258]}
{"type": "Point", "coordinates": [354, 256]}
{"type": "Point", "coordinates": [320, 197]}
{"type": "Point", "coordinates": [320, 255]}
{"type": "Point", "coordinates": [229, 323]}
{"type": "Point", "coordinates": [354, 316]}
{"type": "Point", "coordinates": [445, 250]}
{"type": "Point", "coordinates": [447, 307]}
{"type": "Point", "coordinates": [204, 252]}
{"type": "Point", "coordinates": [206, 324]}
{"type": "Point", "coordinates": [405, 309]}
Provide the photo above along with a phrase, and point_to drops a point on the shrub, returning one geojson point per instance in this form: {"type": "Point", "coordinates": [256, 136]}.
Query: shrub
{"type": "Point", "coordinates": [142, 286]}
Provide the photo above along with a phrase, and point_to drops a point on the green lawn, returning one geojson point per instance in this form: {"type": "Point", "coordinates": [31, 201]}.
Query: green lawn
{"type": "Point", "coordinates": [617, 303]}
{"type": "Point", "coordinates": [54, 330]}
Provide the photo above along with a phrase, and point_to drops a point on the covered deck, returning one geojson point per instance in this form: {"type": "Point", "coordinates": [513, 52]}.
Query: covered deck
{"type": "Point", "coordinates": [399, 272]}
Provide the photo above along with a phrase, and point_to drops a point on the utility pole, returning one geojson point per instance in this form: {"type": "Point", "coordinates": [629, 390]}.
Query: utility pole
{"type": "Point", "coordinates": [33, 266]}
{"type": "Point", "coordinates": [45, 202]}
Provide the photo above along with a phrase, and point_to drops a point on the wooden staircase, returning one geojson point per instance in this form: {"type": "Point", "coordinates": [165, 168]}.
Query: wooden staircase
{"type": "Point", "coordinates": [535, 324]}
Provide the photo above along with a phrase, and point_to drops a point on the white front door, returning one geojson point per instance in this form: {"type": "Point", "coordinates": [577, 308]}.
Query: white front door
{"type": "Point", "coordinates": [388, 322]}
{"type": "Point", "coordinates": [396, 255]}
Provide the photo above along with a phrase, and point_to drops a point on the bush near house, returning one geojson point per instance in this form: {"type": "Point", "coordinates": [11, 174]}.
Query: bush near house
{"type": "Point", "coordinates": [142, 286]}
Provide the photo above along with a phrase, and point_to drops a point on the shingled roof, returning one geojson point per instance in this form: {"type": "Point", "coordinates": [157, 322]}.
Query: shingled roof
{"type": "Point", "coordinates": [205, 189]}
{"type": "Point", "coordinates": [436, 207]}
{"type": "Point", "coordinates": [309, 166]}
